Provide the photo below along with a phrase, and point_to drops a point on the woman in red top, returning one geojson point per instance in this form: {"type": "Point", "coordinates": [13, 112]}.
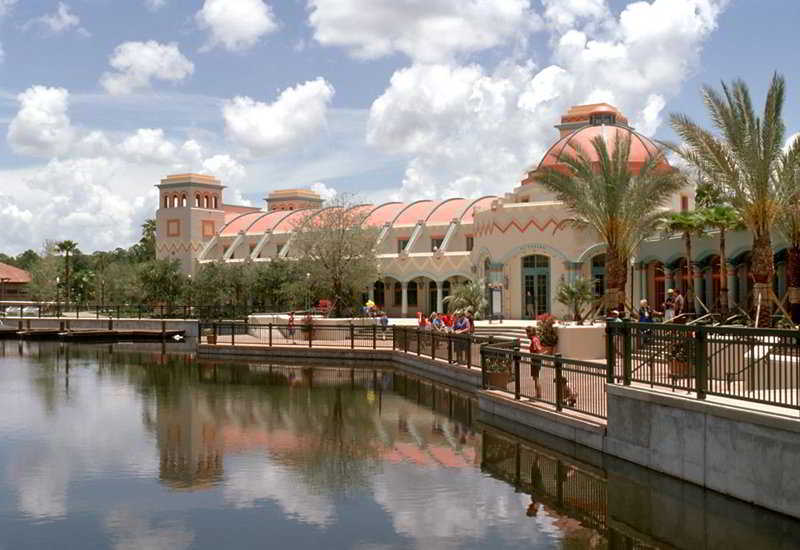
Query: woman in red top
{"type": "Point", "coordinates": [536, 363]}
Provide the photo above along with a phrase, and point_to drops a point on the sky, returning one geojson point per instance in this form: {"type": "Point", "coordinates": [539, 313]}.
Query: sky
{"type": "Point", "coordinates": [382, 99]}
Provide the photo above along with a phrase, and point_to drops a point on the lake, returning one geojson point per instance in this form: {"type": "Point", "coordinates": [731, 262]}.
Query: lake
{"type": "Point", "coordinates": [121, 446]}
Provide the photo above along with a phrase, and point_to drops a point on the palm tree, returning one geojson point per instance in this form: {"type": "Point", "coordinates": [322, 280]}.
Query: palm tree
{"type": "Point", "coordinates": [688, 224]}
{"type": "Point", "coordinates": [745, 161]}
{"type": "Point", "coordinates": [470, 295]}
{"type": "Point", "coordinates": [789, 226]}
{"type": "Point", "coordinates": [723, 218]}
{"type": "Point", "coordinates": [67, 248]}
{"type": "Point", "coordinates": [623, 207]}
{"type": "Point", "coordinates": [577, 296]}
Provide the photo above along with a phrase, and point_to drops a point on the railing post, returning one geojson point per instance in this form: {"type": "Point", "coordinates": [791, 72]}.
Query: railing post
{"type": "Point", "coordinates": [611, 352]}
{"type": "Point", "coordinates": [449, 349]}
{"type": "Point", "coordinates": [310, 334]}
{"type": "Point", "coordinates": [418, 343]}
{"type": "Point", "coordinates": [270, 334]}
{"type": "Point", "coordinates": [97, 312]}
{"type": "Point", "coordinates": [484, 381]}
{"type": "Point", "coordinates": [233, 334]}
{"type": "Point", "coordinates": [374, 336]}
{"type": "Point", "coordinates": [352, 336]}
{"type": "Point", "coordinates": [469, 350]}
{"type": "Point", "coordinates": [700, 362]}
{"type": "Point", "coordinates": [517, 358]}
{"type": "Point", "coordinates": [433, 344]}
{"type": "Point", "coordinates": [394, 338]}
{"type": "Point", "coordinates": [627, 353]}
{"type": "Point", "coordinates": [559, 384]}
{"type": "Point", "coordinates": [214, 330]}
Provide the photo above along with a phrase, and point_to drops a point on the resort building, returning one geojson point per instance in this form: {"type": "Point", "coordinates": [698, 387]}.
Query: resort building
{"type": "Point", "coordinates": [14, 283]}
{"type": "Point", "coordinates": [521, 244]}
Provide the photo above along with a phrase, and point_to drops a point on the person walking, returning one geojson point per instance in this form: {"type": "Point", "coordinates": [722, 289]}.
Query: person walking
{"type": "Point", "coordinates": [290, 327]}
{"type": "Point", "coordinates": [384, 322]}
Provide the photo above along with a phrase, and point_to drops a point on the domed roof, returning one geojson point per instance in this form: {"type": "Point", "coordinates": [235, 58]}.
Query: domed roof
{"type": "Point", "coordinates": [642, 148]}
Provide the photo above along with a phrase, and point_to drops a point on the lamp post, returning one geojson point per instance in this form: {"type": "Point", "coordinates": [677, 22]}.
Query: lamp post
{"type": "Point", "coordinates": [58, 297]}
{"type": "Point", "coordinates": [308, 291]}
{"type": "Point", "coordinates": [633, 264]}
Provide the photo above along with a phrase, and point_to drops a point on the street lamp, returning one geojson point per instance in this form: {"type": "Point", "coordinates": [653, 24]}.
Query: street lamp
{"type": "Point", "coordinates": [308, 291]}
{"type": "Point", "coordinates": [58, 297]}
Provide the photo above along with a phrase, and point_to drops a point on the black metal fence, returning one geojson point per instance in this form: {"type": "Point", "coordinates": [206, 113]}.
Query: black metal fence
{"type": "Point", "coordinates": [128, 311]}
{"type": "Point", "coordinates": [563, 383]}
{"type": "Point", "coordinates": [353, 336]}
{"type": "Point", "coordinates": [456, 349]}
{"type": "Point", "coordinates": [751, 364]}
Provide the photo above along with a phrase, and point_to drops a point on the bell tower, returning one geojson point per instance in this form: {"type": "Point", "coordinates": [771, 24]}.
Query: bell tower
{"type": "Point", "coordinates": [189, 215]}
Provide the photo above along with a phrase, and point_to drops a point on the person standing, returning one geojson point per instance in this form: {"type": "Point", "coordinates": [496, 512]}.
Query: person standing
{"type": "Point", "coordinates": [679, 303]}
{"type": "Point", "coordinates": [290, 327]}
{"type": "Point", "coordinates": [536, 363]}
{"type": "Point", "coordinates": [384, 322]}
{"type": "Point", "coordinates": [669, 306]}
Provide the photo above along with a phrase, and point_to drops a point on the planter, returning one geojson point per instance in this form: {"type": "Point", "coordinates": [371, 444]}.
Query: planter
{"type": "Point", "coordinates": [498, 379]}
{"type": "Point", "coordinates": [211, 339]}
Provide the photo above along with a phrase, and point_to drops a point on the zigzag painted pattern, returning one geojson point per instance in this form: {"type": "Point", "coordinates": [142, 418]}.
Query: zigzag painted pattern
{"type": "Point", "coordinates": [180, 247]}
{"type": "Point", "coordinates": [488, 228]}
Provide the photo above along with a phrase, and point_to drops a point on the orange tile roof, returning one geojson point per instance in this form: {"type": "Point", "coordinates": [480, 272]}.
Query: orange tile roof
{"type": "Point", "coordinates": [14, 274]}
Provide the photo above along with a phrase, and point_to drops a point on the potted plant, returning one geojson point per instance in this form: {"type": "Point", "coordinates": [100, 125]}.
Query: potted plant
{"type": "Point", "coordinates": [548, 335]}
{"type": "Point", "coordinates": [578, 297]}
{"type": "Point", "coordinates": [211, 337]}
{"type": "Point", "coordinates": [498, 371]}
{"type": "Point", "coordinates": [681, 358]}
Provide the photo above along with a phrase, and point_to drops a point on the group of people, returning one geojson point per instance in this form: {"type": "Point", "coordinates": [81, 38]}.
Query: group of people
{"type": "Point", "coordinates": [460, 322]}
{"type": "Point", "coordinates": [673, 307]}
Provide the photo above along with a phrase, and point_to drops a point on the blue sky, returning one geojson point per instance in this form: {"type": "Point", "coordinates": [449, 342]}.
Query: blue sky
{"type": "Point", "coordinates": [405, 99]}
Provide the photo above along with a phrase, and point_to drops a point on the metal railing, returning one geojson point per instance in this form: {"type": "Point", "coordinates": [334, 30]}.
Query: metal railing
{"type": "Point", "coordinates": [128, 311]}
{"type": "Point", "coordinates": [300, 334]}
{"type": "Point", "coordinates": [750, 364]}
{"type": "Point", "coordinates": [563, 383]}
{"type": "Point", "coordinates": [455, 349]}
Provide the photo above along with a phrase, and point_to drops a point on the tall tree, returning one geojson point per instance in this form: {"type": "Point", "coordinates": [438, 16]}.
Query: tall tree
{"type": "Point", "coordinates": [338, 251]}
{"type": "Point", "coordinates": [745, 161]}
{"type": "Point", "coordinates": [622, 206]}
{"type": "Point", "coordinates": [687, 224]}
{"type": "Point", "coordinates": [722, 218]}
{"type": "Point", "coordinates": [67, 248]}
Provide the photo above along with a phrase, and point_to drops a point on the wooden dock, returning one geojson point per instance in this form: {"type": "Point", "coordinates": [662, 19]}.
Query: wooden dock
{"type": "Point", "coordinates": [92, 335]}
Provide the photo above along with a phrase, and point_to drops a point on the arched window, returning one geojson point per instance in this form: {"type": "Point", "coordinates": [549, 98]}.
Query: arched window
{"type": "Point", "coordinates": [166, 201]}
{"type": "Point", "coordinates": [412, 293]}
{"type": "Point", "coordinates": [197, 200]}
{"type": "Point", "coordinates": [535, 285]}
{"type": "Point", "coordinates": [183, 200]}
{"type": "Point", "coordinates": [206, 202]}
{"type": "Point", "coordinates": [216, 204]}
{"type": "Point", "coordinates": [175, 202]}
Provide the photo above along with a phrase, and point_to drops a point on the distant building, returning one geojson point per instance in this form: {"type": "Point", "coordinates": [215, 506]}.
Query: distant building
{"type": "Point", "coordinates": [521, 244]}
{"type": "Point", "coordinates": [14, 283]}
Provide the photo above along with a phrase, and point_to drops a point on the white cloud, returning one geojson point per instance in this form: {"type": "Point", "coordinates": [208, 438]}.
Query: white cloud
{"type": "Point", "coordinates": [568, 14]}
{"type": "Point", "coordinates": [5, 6]}
{"type": "Point", "coordinates": [471, 131]}
{"type": "Point", "coordinates": [327, 193]}
{"type": "Point", "coordinates": [148, 145]}
{"type": "Point", "coordinates": [425, 31]}
{"type": "Point", "coordinates": [138, 63]}
{"type": "Point", "coordinates": [235, 24]}
{"type": "Point", "coordinates": [42, 126]}
{"type": "Point", "coordinates": [231, 173]}
{"type": "Point", "coordinates": [298, 113]}
{"type": "Point", "coordinates": [60, 21]}
{"type": "Point", "coordinates": [154, 5]}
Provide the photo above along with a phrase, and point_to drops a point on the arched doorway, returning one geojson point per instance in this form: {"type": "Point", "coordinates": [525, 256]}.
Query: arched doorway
{"type": "Point", "coordinates": [380, 294]}
{"type": "Point", "coordinates": [535, 286]}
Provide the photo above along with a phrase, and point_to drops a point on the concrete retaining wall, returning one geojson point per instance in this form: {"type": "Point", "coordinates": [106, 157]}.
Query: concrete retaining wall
{"type": "Point", "coordinates": [749, 455]}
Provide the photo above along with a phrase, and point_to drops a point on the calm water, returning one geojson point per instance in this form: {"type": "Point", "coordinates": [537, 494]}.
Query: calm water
{"type": "Point", "coordinates": [105, 448]}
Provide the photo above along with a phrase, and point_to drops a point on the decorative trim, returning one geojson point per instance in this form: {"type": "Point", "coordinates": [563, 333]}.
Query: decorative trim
{"type": "Point", "coordinates": [488, 228]}
{"type": "Point", "coordinates": [533, 247]}
{"type": "Point", "coordinates": [174, 228]}
{"type": "Point", "coordinates": [591, 250]}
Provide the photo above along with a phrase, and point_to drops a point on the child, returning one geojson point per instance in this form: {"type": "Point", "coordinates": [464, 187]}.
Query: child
{"type": "Point", "coordinates": [568, 394]}
{"type": "Point", "coordinates": [536, 363]}
{"type": "Point", "coordinates": [384, 321]}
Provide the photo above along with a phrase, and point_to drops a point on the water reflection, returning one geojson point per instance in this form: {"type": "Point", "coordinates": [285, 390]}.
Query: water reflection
{"type": "Point", "coordinates": [137, 448]}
